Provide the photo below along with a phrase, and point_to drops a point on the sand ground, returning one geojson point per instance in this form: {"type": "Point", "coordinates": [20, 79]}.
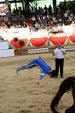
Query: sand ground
{"type": "Point", "coordinates": [20, 93]}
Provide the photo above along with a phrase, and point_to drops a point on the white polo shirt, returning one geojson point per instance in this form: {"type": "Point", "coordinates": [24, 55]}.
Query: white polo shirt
{"type": "Point", "coordinates": [59, 53]}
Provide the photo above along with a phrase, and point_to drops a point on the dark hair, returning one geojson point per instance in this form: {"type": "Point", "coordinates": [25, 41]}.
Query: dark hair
{"type": "Point", "coordinates": [53, 72]}
{"type": "Point", "coordinates": [64, 87]}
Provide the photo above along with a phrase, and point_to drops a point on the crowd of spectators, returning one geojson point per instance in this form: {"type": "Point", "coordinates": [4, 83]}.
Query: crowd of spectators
{"type": "Point", "coordinates": [37, 18]}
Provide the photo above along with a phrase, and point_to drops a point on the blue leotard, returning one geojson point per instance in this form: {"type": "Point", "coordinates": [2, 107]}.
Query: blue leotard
{"type": "Point", "coordinates": [41, 64]}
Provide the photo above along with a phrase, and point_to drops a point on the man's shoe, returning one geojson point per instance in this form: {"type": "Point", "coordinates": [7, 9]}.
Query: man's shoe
{"type": "Point", "coordinates": [62, 76]}
{"type": "Point", "coordinates": [55, 77]}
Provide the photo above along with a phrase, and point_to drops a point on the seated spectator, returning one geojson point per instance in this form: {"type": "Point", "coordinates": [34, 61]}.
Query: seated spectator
{"type": "Point", "coordinates": [1, 39]}
{"type": "Point", "coordinates": [36, 25]}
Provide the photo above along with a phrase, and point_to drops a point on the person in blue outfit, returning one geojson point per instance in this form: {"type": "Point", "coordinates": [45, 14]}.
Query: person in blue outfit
{"type": "Point", "coordinates": [42, 65]}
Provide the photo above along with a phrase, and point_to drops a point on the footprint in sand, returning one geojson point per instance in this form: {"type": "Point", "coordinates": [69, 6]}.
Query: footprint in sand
{"type": "Point", "coordinates": [25, 111]}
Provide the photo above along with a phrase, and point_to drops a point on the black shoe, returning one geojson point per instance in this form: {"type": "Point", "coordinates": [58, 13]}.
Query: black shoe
{"type": "Point", "coordinates": [55, 77]}
{"type": "Point", "coordinates": [62, 76]}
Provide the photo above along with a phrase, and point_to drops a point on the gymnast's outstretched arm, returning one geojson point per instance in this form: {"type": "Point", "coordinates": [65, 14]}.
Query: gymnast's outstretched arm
{"type": "Point", "coordinates": [42, 76]}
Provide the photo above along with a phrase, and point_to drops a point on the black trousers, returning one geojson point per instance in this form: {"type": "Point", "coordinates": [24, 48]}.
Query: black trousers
{"type": "Point", "coordinates": [59, 64]}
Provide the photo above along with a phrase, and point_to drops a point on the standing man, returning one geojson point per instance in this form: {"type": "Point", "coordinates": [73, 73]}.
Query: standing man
{"type": "Point", "coordinates": [59, 53]}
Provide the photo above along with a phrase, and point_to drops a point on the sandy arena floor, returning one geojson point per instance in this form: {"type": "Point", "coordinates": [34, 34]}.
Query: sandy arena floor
{"type": "Point", "coordinates": [20, 93]}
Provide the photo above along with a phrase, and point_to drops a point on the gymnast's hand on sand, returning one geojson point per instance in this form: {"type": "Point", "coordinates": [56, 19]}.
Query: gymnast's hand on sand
{"type": "Point", "coordinates": [17, 70]}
